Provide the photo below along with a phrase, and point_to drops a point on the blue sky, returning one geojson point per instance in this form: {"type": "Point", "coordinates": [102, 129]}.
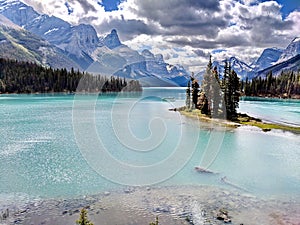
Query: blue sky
{"type": "Point", "coordinates": [289, 6]}
{"type": "Point", "coordinates": [110, 5]}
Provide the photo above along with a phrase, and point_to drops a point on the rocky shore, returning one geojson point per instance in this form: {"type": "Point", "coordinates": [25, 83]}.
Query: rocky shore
{"type": "Point", "coordinates": [196, 205]}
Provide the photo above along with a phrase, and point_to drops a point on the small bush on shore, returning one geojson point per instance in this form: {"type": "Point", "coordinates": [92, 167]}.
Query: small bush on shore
{"type": "Point", "coordinates": [83, 219]}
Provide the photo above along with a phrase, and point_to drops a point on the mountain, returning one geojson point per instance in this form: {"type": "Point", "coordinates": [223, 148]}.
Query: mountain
{"type": "Point", "coordinates": [292, 64]}
{"type": "Point", "coordinates": [112, 40]}
{"type": "Point", "coordinates": [292, 50]}
{"type": "Point", "coordinates": [268, 58]}
{"type": "Point", "coordinates": [93, 53]}
{"type": "Point", "coordinates": [271, 59]}
{"type": "Point", "coordinates": [240, 67]}
{"type": "Point", "coordinates": [277, 60]}
{"type": "Point", "coordinates": [17, 43]}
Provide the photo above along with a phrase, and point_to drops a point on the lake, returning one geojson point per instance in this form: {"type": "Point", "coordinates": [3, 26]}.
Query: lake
{"type": "Point", "coordinates": [59, 145]}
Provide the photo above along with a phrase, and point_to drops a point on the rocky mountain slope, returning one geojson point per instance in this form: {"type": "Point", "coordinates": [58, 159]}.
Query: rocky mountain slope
{"type": "Point", "coordinates": [91, 52]}
{"type": "Point", "coordinates": [17, 43]}
{"type": "Point", "coordinates": [57, 43]}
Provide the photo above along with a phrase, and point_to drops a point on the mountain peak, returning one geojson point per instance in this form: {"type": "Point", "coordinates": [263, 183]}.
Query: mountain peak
{"type": "Point", "coordinates": [147, 54]}
{"type": "Point", "coordinates": [112, 40]}
{"type": "Point", "coordinates": [292, 50]}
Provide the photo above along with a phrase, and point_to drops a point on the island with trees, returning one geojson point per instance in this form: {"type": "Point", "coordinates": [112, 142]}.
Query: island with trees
{"type": "Point", "coordinates": [216, 100]}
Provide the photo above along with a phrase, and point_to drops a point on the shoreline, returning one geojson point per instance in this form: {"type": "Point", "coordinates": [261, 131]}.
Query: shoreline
{"type": "Point", "coordinates": [242, 120]}
{"type": "Point", "coordinates": [176, 205]}
{"type": "Point", "coordinates": [281, 96]}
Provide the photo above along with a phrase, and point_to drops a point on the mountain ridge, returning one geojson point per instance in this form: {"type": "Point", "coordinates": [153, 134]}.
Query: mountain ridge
{"type": "Point", "coordinates": [87, 50]}
{"type": "Point", "coordinates": [91, 52]}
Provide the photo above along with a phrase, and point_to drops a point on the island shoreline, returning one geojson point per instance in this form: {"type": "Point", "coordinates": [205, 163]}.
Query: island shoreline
{"type": "Point", "coordinates": [242, 120]}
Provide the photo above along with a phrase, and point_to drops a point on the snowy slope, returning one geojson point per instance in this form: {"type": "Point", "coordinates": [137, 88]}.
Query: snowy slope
{"type": "Point", "coordinates": [106, 55]}
{"type": "Point", "coordinates": [292, 50]}
{"type": "Point", "coordinates": [268, 58]}
{"type": "Point", "coordinates": [17, 43]}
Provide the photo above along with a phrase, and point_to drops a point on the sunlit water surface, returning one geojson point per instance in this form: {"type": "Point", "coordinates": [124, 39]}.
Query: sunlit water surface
{"type": "Point", "coordinates": [39, 155]}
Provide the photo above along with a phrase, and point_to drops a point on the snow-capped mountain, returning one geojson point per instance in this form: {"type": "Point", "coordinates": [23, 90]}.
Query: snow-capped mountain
{"type": "Point", "coordinates": [241, 68]}
{"type": "Point", "coordinates": [112, 40]}
{"type": "Point", "coordinates": [291, 51]}
{"type": "Point", "coordinates": [93, 53]}
{"type": "Point", "coordinates": [287, 59]}
{"type": "Point", "coordinates": [17, 12]}
{"type": "Point", "coordinates": [268, 58]}
{"type": "Point", "coordinates": [17, 43]}
{"type": "Point", "coordinates": [271, 59]}
{"type": "Point", "coordinates": [293, 64]}
{"type": "Point", "coordinates": [78, 41]}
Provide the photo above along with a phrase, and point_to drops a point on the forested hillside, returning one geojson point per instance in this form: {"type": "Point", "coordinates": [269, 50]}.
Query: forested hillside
{"type": "Point", "coordinates": [26, 77]}
{"type": "Point", "coordinates": [286, 85]}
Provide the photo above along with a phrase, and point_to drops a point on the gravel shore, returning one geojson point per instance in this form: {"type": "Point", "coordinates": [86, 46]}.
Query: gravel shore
{"type": "Point", "coordinates": [173, 206]}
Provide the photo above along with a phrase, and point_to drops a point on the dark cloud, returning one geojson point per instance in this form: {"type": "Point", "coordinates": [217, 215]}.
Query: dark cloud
{"type": "Point", "coordinates": [264, 30]}
{"type": "Point", "coordinates": [198, 24]}
{"type": "Point", "coordinates": [127, 29]}
{"type": "Point", "coordinates": [171, 18]}
{"type": "Point", "coordinates": [230, 40]}
{"type": "Point", "coordinates": [87, 7]}
{"type": "Point", "coordinates": [201, 53]}
{"type": "Point", "coordinates": [233, 40]}
{"type": "Point", "coordinates": [150, 7]}
{"type": "Point", "coordinates": [176, 16]}
{"type": "Point", "coordinates": [194, 42]}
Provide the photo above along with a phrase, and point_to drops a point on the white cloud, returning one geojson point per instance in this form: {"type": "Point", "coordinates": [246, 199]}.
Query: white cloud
{"type": "Point", "coordinates": [242, 28]}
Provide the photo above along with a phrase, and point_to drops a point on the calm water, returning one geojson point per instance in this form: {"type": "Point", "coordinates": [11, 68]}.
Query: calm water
{"type": "Point", "coordinates": [49, 144]}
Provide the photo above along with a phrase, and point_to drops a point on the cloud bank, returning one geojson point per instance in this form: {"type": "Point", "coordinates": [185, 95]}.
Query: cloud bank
{"type": "Point", "coordinates": [186, 32]}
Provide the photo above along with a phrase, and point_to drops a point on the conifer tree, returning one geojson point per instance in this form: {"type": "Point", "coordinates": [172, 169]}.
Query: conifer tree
{"type": "Point", "coordinates": [83, 219]}
{"type": "Point", "coordinates": [230, 86]}
{"type": "Point", "coordinates": [195, 91]}
{"type": "Point", "coordinates": [188, 96]}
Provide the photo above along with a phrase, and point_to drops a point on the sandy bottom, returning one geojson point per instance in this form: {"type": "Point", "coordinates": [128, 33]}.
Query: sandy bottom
{"type": "Point", "coordinates": [173, 206]}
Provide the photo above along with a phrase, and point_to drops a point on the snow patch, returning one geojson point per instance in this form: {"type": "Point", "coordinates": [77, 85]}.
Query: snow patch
{"type": "Point", "coordinates": [49, 31]}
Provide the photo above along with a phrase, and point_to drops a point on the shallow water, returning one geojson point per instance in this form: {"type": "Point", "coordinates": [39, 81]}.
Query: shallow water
{"type": "Point", "coordinates": [56, 145]}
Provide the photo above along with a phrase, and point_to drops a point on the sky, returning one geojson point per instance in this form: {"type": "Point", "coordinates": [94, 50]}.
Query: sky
{"type": "Point", "coordinates": [186, 32]}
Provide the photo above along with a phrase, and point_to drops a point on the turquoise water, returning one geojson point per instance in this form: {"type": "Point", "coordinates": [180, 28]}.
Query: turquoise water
{"type": "Point", "coordinates": [49, 145]}
{"type": "Point", "coordinates": [283, 111]}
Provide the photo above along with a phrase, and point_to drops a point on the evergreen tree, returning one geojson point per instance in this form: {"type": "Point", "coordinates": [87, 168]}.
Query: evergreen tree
{"type": "Point", "coordinates": [230, 86]}
{"type": "Point", "coordinates": [211, 88]}
{"type": "Point", "coordinates": [286, 85]}
{"type": "Point", "coordinates": [83, 219]}
{"type": "Point", "coordinates": [207, 84]}
{"type": "Point", "coordinates": [195, 91]}
{"type": "Point", "coordinates": [188, 96]}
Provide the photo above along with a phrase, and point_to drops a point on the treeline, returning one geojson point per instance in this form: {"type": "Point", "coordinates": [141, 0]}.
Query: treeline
{"type": "Point", "coordinates": [216, 97]}
{"type": "Point", "coordinates": [27, 77]}
{"type": "Point", "coordinates": [286, 85]}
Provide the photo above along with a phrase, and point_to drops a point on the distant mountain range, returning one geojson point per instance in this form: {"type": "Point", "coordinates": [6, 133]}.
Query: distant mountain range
{"type": "Point", "coordinates": [50, 41]}
{"type": "Point", "coordinates": [271, 59]}
{"type": "Point", "coordinates": [35, 36]}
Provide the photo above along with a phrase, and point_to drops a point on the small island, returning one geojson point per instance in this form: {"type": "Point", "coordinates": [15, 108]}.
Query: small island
{"type": "Point", "coordinates": [217, 100]}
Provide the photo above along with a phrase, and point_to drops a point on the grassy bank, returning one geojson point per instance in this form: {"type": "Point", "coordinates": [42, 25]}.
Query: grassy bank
{"type": "Point", "coordinates": [243, 119]}
{"type": "Point", "coordinates": [248, 120]}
